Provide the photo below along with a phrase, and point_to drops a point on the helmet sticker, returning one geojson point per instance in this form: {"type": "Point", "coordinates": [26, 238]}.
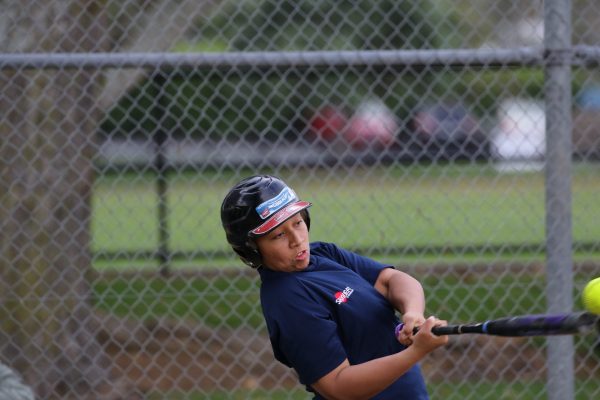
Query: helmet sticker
{"type": "Point", "coordinates": [271, 206]}
{"type": "Point", "coordinates": [280, 217]}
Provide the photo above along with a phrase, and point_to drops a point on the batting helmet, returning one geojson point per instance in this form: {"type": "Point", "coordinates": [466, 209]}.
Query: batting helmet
{"type": "Point", "coordinates": [254, 207]}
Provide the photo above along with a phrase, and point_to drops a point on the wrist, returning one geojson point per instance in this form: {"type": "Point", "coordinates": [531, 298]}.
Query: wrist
{"type": "Point", "coordinates": [415, 318]}
{"type": "Point", "coordinates": [414, 353]}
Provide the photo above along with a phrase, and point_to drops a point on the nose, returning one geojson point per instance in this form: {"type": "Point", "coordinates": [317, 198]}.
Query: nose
{"type": "Point", "coordinates": [295, 239]}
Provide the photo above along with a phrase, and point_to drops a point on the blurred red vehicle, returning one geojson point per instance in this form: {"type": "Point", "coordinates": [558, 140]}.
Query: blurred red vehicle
{"type": "Point", "coordinates": [373, 125]}
{"type": "Point", "coordinates": [327, 123]}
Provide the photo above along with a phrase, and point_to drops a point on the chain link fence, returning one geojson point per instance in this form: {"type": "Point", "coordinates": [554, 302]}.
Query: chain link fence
{"type": "Point", "coordinates": [432, 135]}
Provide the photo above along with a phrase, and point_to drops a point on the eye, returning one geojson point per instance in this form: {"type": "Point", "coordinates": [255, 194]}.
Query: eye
{"type": "Point", "coordinates": [277, 235]}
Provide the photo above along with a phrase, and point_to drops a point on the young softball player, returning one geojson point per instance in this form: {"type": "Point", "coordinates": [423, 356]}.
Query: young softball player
{"type": "Point", "coordinates": [330, 313]}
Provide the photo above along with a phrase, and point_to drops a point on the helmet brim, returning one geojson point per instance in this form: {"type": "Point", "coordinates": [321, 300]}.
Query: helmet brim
{"type": "Point", "coordinates": [280, 217]}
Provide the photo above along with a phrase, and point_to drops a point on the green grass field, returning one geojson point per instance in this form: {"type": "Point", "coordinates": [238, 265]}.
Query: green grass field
{"type": "Point", "coordinates": [210, 300]}
{"type": "Point", "coordinates": [400, 213]}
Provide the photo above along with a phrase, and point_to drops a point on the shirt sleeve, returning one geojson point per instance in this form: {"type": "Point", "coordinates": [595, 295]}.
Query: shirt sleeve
{"type": "Point", "coordinates": [303, 334]}
{"type": "Point", "coordinates": [367, 268]}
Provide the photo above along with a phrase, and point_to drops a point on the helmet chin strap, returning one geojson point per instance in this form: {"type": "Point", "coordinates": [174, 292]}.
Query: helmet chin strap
{"type": "Point", "coordinates": [250, 263]}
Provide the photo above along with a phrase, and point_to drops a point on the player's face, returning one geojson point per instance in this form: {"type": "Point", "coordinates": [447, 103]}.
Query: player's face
{"type": "Point", "coordinates": [285, 248]}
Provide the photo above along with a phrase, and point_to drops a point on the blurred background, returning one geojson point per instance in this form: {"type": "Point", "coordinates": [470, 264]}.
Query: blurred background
{"type": "Point", "coordinates": [458, 140]}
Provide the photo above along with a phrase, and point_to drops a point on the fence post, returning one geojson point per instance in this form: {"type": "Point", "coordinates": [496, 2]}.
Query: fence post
{"type": "Point", "coordinates": [559, 286]}
{"type": "Point", "coordinates": [159, 138]}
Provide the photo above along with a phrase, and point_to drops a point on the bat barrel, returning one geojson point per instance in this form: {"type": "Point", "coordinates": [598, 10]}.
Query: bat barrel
{"type": "Point", "coordinates": [541, 325]}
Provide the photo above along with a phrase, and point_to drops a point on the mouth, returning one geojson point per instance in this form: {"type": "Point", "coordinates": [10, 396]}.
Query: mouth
{"type": "Point", "coordinates": [302, 255]}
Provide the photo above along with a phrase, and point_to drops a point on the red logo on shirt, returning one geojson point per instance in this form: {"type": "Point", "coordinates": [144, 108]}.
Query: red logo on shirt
{"type": "Point", "coordinates": [343, 296]}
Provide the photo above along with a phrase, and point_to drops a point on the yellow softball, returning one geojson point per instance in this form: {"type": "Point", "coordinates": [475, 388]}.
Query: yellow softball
{"type": "Point", "coordinates": [591, 296]}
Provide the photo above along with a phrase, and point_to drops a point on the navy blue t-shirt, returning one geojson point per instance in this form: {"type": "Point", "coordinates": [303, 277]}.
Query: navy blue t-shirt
{"type": "Point", "coordinates": [329, 312]}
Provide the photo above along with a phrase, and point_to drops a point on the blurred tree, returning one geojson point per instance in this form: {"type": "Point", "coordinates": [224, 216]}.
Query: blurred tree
{"type": "Point", "coordinates": [47, 327]}
{"type": "Point", "coordinates": [338, 25]}
{"type": "Point", "coordinates": [285, 25]}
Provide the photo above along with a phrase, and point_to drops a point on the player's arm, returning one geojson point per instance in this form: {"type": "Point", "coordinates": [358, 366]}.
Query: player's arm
{"type": "Point", "coordinates": [363, 381]}
{"type": "Point", "coordinates": [406, 295]}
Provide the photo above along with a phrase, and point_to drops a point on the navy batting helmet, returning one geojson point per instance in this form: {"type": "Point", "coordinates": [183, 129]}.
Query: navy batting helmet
{"type": "Point", "coordinates": [254, 207]}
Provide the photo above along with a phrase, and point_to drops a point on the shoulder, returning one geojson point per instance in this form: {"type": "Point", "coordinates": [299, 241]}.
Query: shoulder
{"type": "Point", "coordinates": [366, 267]}
{"type": "Point", "coordinates": [328, 250]}
{"type": "Point", "coordinates": [323, 248]}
